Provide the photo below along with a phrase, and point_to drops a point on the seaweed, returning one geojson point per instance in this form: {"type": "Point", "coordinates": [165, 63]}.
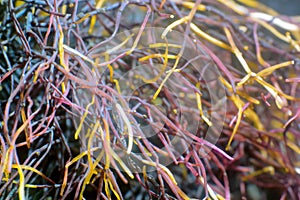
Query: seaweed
{"type": "Point", "coordinates": [148, 100]}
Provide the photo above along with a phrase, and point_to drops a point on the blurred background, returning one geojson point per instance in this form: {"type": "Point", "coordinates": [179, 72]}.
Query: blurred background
{"type": "Point", "coordinates": [286, 7]}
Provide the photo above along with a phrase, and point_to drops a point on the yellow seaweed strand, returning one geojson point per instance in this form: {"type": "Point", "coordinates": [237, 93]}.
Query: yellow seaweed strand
{"type": "Point", "coordinates": [31, 169]}
{"type": "Point", "coordinates": [91, 138]}
{"type": "Point", "coordinates": [166, 78]}
{"type": "Point", "coordinates": [129, 128]}
{"type": "Point", "coordinates": [256, 4]}
{"type": "Point", "coordinates": [23, 117]}
{"type": "Point", "coordinates": [179, 21]}
{"type": "Point", "coordinates": [250, 114]}
{"type": "Point", "coordinates": [106, 186]}
{"type": "Point", "coordinates": [81, 155]}
{"type": "Point", "coordinates": [61, 48]}
{"type": "Point", "coordinates": [239, 9]}
{"type": "Point", "coordinates": [93, 20]}
{"type": "Point", "coordinates": [191, 5]}
{"type": "Point", "coordinates": [275, 32]}
{"type": "Point", "coordinates": [163, 36]}
{"type": "Point", "coordinates": [236, 51]}
{"type": "Point", "coordinates": [158, 45]}
{"type": "Point", "coordinates": [166, 59]}
{"type": "Point", "coordinates": [171, 176]}
{"type": "Point", "coordinates": [62, 54]}
{"type": "Point", "coordinates": [90, 162]}
{"type": "Point", "coordinates": [209, 38]}
{"type": "Point", "coordinates": [83, 18]}
{"type": "Point", "coordinates": [117, 86]}
{"type": "Point", "coordinates": [91, 172]}
{"type": "Point", "coordinates": [83, 118]}
{"type": "Point", "coordinates": [199, 104]}
{"type": "Point", "coordinates": [270, 70]}
{"type": "Point", "coordinates": [113, 190]}
{"type": "Point", "coordinates": [21, 184]}
{"type": "Point", "coordinates": [173, 25]}
{"type": "Point", "coordinates": [122, 164]}
{"type": "Point", "coordinates": [211, 192]}
{"type": "Point", "coordinates": [157, 56]}
{"type": "Point", "coordinates": [110, 68]}
{"type": "Point", "coordinates": [268, 169]}
{"type": "Point", "coordinates": [107, 139]}
{"type": "Point", "coordinates": [280, 102]}
{"type": "Point", "coordinates": [238, 103]}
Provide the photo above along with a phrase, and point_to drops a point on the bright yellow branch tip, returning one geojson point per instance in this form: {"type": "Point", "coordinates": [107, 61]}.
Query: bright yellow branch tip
{"type": "Point", "coordinates": [129, 128]}
{"type": "Point", "coordinates": [83, 118]}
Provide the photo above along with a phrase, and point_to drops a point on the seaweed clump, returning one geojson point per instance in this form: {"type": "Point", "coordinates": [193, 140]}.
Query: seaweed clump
{"type": "Point", "coordinates": [148, 100]}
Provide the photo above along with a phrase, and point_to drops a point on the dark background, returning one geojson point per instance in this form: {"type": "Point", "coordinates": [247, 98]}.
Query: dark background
{"type": "Point", "coordinates": [286, 7]}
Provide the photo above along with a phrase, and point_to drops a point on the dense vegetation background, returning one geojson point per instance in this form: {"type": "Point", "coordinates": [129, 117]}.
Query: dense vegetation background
{"type": "Point", "coordinates": [95, 103]}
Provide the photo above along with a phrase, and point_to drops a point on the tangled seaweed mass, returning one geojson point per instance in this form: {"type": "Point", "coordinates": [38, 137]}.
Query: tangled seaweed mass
{"type": "Point", "coordinates": [142, 99]}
